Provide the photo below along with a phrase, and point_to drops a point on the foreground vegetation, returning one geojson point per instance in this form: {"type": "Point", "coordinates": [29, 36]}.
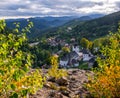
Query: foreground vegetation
{"type": "Point", "coordinates": [17, 79]}
{"type": "Point", "coordinates": [106, 82]}
{"type": "Point", "coordinates": [15, 63]}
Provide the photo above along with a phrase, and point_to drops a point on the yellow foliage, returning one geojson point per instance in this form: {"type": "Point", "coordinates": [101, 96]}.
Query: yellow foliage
{"type": "Point", "coordinates": [106, 81]}
{"type": "Point", "coordinates": [15, 64]}
{"type": "Point", "coordinates": [54, 71]}
{"type": "Point", "coordinates": [66, 49]}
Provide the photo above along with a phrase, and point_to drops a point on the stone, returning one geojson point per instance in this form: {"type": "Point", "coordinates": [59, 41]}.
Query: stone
{"type": "Point", "coordinates": [66, 93]}
{"type": "Point", "coordinates": [71, 86]}
{"type": "Point", "coordinates": [73, 78]}
{"type": "Point", "coordinates": [51, 79]}
{"type": "Point", "coordinates": [47, 85]}
{"type": "Point", "coordinates": [62, 81]}
{"type": "Point", "coordinates": [51, 85]}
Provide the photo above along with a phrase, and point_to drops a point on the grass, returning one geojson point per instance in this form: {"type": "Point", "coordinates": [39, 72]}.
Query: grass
{"type": "Point", "coordinates": [83, 65]}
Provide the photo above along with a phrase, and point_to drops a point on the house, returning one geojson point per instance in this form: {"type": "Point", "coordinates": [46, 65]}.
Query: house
{"type": "Point", "coordinates": [75, 48]}
{"type": "Point", "coordinates": [75, 63]}
{"type": "Point", "coordinates": [91, 62]}
{"type": "Point", "coordinates": [71, 59]}
{"type": "Point", "coordinates": [33, 44]}
{"type": "Point", "coordinates": [86, 54]}
{"type": "Point", "coordinates": [64, 61]}
{"type": "Point", "coordinates": [72, 39]}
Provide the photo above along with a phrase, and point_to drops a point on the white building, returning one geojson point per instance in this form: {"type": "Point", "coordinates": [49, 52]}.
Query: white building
{"type": "Point", "coordinates": [86, 55]}
{"type": "Point", "coordinates": [76, 49]}
{"type": "Point", "coordinates": [63, 63]}
{"type": "Point", "coordinates": [71, 59]}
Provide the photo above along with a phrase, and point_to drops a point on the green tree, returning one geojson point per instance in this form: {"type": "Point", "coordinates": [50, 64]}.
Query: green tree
{"type": "Point", "coordinates": [66, 49]}
{"type": "Point", "coordinates": [90, 44]}
{"type": "Point", "coordinates": [84, 43]}
{"type": "Point", "coordinates": [15, 63]}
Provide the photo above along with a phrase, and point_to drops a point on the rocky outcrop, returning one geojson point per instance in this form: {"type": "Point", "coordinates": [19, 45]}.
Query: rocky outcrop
{"type": "Point", "coordinates": [66, 87]}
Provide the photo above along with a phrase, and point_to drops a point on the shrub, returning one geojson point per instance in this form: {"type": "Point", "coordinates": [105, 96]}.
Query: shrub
{"type": "Point", "coordinates": [54, 71]}
{"type": "Point", "coordinates": [106, 82]}
{"type": "Point", "coordinates": [15, 63]}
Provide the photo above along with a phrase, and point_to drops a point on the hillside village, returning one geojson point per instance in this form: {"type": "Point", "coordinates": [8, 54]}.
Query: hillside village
{"type": "Point", "coordinates": [75, 55]}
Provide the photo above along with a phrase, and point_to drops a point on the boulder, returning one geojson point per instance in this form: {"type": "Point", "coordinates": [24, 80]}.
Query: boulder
{"type": "Point", "coordinates": [51, 79]}
{"type": "Point", "coordinates": [62, 81]}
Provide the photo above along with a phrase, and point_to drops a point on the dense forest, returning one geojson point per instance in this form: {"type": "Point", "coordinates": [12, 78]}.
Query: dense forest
{"type": "Point", "coordinates": [91, 29]}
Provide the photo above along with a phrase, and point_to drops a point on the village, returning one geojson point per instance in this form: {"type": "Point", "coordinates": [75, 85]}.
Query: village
{"type": "Point", "coordinates": [74, 56]}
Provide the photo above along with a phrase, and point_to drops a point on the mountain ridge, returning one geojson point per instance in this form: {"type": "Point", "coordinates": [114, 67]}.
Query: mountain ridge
{"type": "Point", "coordinates": [43, 24]}
{"type": "Point", "coordinates": [90, 29]}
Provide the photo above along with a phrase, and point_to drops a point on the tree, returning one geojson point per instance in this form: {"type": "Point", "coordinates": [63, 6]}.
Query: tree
{"type": "Point", "coordinates": [84, 43]}
{"type": "Point", "coordinates": [106, 81]}
{"type": "Point", "coordinates": [54, 71]}
{"type": "Point", "coordinates": [90, 44]}
{"type": "Point", "coordinates": [15, 63]}
{"type": "Point", "coordinates": [66, 50]}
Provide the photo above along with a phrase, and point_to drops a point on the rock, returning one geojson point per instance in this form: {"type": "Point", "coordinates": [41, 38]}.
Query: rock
{"type": "Point", "coordinates": [54, 94]}
{"type": "Point", "coordinates": [51, 86]}
{"type": "Point", "coordinates": [64, 96]}
{"type": "Point", "coordinates": [73, 78]}
{"type": "Point", "coordinates": [74, 71]}
{"type": "Point", "coordinates": [58, 95]}
{"type": "Point", "coordinates": [83, 71]}
{"type": "Point", "coordinates": [66, 93]}
{"type": "Point", "coordinates": [64, 90]}
{"type": "Point", "coordinates": [77, 92]}
{"type": "Point", "coordinates": [51, 79]}
{"type": "Point", "coordinates": [62, 81]}
{"type": "Point", "coordinates": [47, 85]}
{"type": "Point", "coordinates": [71, 86]}
{"type": "Point", "coordinates": [69, 73]}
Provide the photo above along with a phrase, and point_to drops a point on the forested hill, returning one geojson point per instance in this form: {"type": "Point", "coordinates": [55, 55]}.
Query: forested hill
{"type": "Point", "coordinates": [44, 24]}
{"type": "Point", "coordinates": [91, 29]}
{"type": "Point", "coordinates": [98, 27]}
{"type": "Point", "coordinates": [40, 23]}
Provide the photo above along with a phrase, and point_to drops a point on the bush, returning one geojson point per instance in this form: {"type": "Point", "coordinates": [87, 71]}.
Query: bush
{"type": "Point", "coordinates": [54, 71]}
{"type": "Point", "coordinates": [106, 82]}
{"type": "Point", "coordinates": [15, 63]}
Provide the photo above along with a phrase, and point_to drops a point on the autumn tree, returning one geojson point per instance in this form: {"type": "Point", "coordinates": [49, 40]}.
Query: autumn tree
{"type": "Point", "coordinates": [66, 49]}
{"type": "Point", "coordinates": [106, 81]}
{"type": "Point", "coordinates": [54, 71]}
{"type": "Point", "coordinates": [16, 80]}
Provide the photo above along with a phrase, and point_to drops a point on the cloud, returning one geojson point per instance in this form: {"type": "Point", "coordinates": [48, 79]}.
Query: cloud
{"type": "Point", "coordinates": [57, 7]}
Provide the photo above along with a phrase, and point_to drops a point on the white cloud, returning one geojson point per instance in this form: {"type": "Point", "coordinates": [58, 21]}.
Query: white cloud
{"type": "Point", "coordinates": [57, 7]}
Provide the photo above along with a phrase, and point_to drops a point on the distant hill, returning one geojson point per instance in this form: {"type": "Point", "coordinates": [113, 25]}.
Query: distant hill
{"type": "Point", "coordinates": [79, 20]}
{"type": "Point", "coordinates": [40, 23]}
{"type": "Point", "coordinates": [98, 27]}
{"type": "Point", "coordinates": [46, 24]}
{"type": "Point", "coordinates": [94, 16]}
{"type": "Point", "coordinates": [90, 28]}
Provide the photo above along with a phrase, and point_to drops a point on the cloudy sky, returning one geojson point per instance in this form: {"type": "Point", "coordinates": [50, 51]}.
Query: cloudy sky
{"type": "Point", "coordinates": [26, 8]}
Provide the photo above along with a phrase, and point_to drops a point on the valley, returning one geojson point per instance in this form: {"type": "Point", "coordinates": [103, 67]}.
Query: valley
{"type": "Point", "coordinates": [60, 57]}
